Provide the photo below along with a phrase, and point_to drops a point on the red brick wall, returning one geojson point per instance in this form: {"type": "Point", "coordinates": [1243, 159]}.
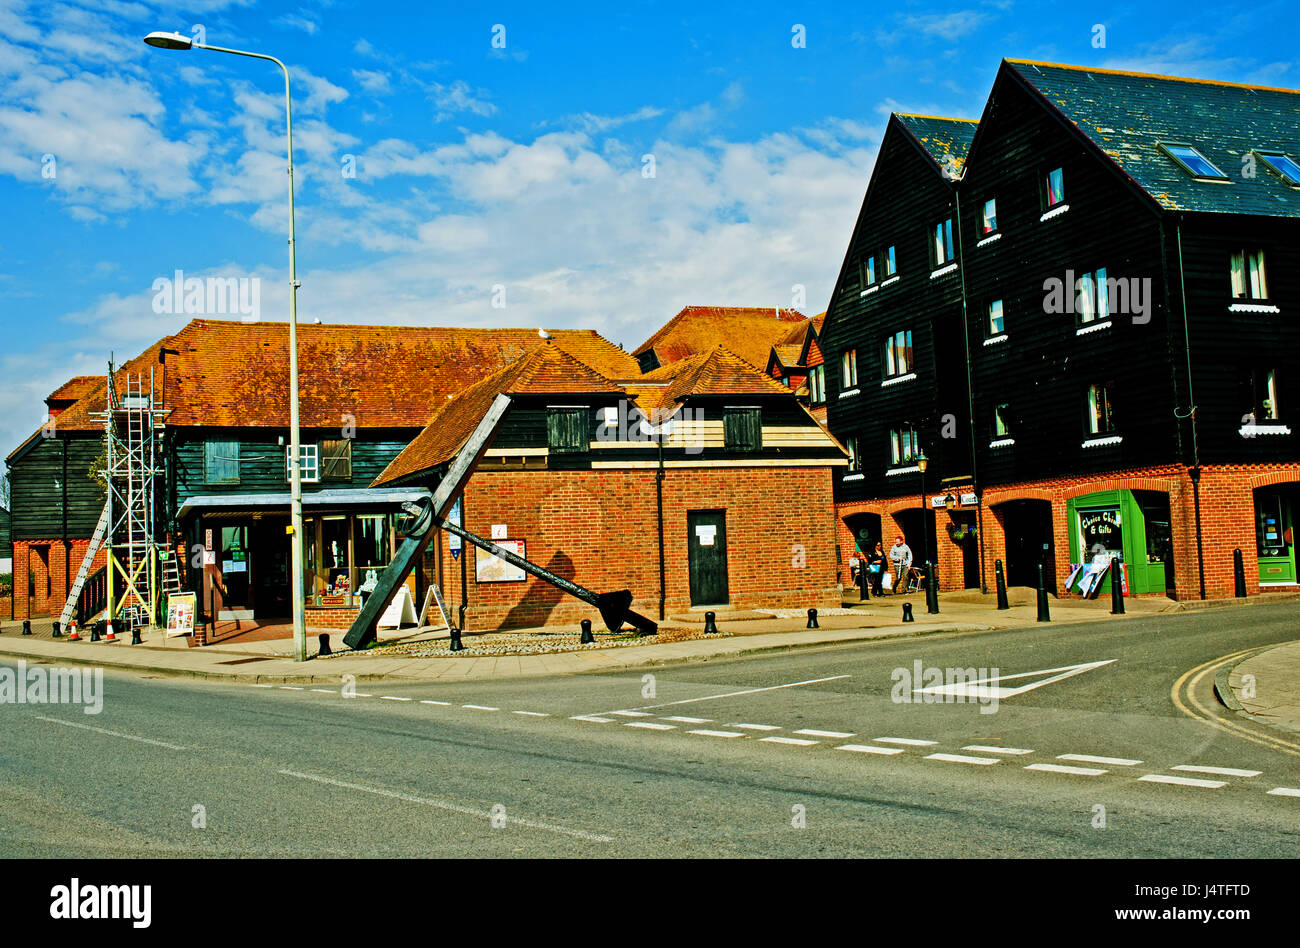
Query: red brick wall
{"type": "Point", "coordinates": [1227, 520]}
{"type": "Point", "coordinates": [599, 529]}
{"type": "Point", "coordinates": [59, 578]}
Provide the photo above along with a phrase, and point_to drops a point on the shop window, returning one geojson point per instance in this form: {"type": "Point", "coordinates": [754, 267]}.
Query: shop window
{"type": "Point", "coordinates": [742, 429]}
{"type": "Point", "coordinates": [1092, 296]}
{"type": "Point", "coordinates": [1101, 417]}
{"type": "Point", "coordinates": [898, 354]}
{"type": "Point", "coordinates": [1101, 533]}
{"type": "Point", "coordinates": [336, 460]}
{"type": "Point", "coordinates": [334, 555]}
{"type": "Point", "coordinates": [370, 542]}
{"type": "Point", "coordinates": [989, 219]}
{"type": "Point", "coordinates": [1246, 271]}
{"type": "Point", "coordinates": [308, 463]}
{"type": "Point", "coordinates": [566, 431]}
{"type": "Point", "coordinates": [849, 370]}
{"type": "Point", "coordinates": [902, 445]}
{"type": "Point", "coordinates": [1271, 531]}
{"type": "Point", "coordinates": [221, 462]}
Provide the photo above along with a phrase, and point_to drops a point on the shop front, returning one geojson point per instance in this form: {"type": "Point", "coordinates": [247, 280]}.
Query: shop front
{"type": "Point", "coordinates": [1275, 535]}
{"type": "Point", "coordinates": [1133, 526]}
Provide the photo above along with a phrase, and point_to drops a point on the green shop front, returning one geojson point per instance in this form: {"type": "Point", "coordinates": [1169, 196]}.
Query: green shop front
{"type": "Point", "coordinates": [1132, 525]}
{"type": "Point", "coordinates": [1275, 535]}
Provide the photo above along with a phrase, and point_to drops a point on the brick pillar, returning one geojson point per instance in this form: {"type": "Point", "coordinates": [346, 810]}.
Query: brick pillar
{"type": "Point", "coordinates": [995, 543]}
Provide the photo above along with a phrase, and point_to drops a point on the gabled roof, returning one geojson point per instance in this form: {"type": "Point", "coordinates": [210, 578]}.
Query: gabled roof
{"type": "Point", "coordinates": [1125, 114]}
{"type": "Point", "coordinates": [234, 374]}
{"type": "Point", "coordinates": [786, 356]}
{"type": "Point", "coordinates": [750, 330]}
{"type": "Point", "coordinates": [716, 372]}
{"type": "Point", "coordinates": [76, 388]}
{"type": "Point", "coordinates": [941, 138]}
{"type": "Point", "coordinates": [545, 371]}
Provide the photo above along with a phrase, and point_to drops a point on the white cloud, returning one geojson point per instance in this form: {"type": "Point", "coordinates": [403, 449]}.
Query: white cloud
{"type": "Point", "coordinates": [459, 97]}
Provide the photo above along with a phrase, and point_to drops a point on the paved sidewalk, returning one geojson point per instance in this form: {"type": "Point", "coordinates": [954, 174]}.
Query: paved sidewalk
{"type": "Point", "coordinates": [270, 661]}
{"type": "Point", "coordinates": [1276, 697]}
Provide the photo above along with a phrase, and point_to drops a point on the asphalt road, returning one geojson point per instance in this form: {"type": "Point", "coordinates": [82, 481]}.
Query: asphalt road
{"type": "Point", "coordinates": [796, 754]}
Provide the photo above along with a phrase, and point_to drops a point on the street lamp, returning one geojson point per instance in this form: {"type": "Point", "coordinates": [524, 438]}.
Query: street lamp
{"type": "Point", "coordinates": [179, 41]}
{"type": "Point", "coordinates": [922, 462]}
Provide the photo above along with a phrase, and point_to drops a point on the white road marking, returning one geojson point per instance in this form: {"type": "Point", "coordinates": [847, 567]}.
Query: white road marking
{"type": "Point", "coordinates": [358, 694]}
{"type": "Point", "coordinates": [1220, 771]}
{"type": "Point", "coordinates": [986, 687]}
{"type": "Point", "coordinates": [811, 733]}
{"type": "Point", "coordinates": [104, 730]}
{"type": "Point", "coordinates": [988, 748]}
{"type": "Point", "coordinates": [800, 742]}
{"type": "Point", "coordinates": [755, 727]}
{"type": "Point", "coordinates": [688, 720]}
{"type": "Point", "coordinates": [963, 759]}
{"type": "Point", "coordinates": [596, 719]}
{"type": "Point", "coordinates": [325, 691]}
{"type": "Point", "coordinates": [632, 714]}
{"type": "Point", "coordinates": [1184, 781]}
{"type": "Point", "coordinates": [1285, 792]}
{"type": "Point", "coordinates": [868, 749]}
{"type": "Point", "coordinates": [717, 733]}
{"type": "Point", "coordinates": [479, 707]}
{"type": "Point", "coordinates": [747, 691]}
{"type": "Point", "coordinates": [392, 698]}
{"type": "Point", "coordinates": [293, 688]}
{"type": "Point", "coordinates": [263, 686]}
{"type": "Point", "coordinates": [446, 704]}
{"type": "Point", "coordinates": [1091, 759]}
{"type": "Point", "coordinates": [651, 725]}
{"type": "Point", "coordinates": [533, 714]}
{"type": "Point", "coordinates": [451, 807]}
{"type": "Point", "coordinates": [910, 741]}
{"type": "Point", "coordinates": [1062, 769]}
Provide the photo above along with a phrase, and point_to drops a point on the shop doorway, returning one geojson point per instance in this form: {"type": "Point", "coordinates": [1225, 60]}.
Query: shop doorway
{"type": "Point", "coordinates": [1027, 525]}
{"type": "Point", "coordinates": [918, 532]}
{"type": "Point", "coordinates": [706, 539]}
{"type": "Point", "coordinates": [1275, 534]}
{"type": "Point", "coordinates": [269, 580]}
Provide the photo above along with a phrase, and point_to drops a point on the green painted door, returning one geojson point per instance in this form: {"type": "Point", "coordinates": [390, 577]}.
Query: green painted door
{"type": "Point", "coordinates": [1274, 538]}
{"type": "Point", "coordinates": [707, 542]}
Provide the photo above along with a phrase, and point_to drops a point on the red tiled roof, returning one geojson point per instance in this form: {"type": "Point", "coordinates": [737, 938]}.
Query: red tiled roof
{"type": "Point", "coordinates": [76, 388]}
{"type": "Point", "coordinates": [716, 372]}
{"type": "Point", "coordinates": [233, 374]}
{"type": "Point", "coordinates": [751, 331]}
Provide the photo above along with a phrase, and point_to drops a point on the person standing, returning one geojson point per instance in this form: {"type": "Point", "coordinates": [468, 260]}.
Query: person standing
{"type": "Point", "coordinates": [900, 555]}
{"type": "Point", "coordinates": [854, 565]}
{"type": "Point", "coordinates": [876, 562]}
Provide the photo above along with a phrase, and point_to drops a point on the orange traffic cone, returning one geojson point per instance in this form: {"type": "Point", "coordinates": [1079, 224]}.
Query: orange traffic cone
{"type": "Point", "coordinates": [73, 634]}
{"type": "Point", "coordinates": [109, 636]}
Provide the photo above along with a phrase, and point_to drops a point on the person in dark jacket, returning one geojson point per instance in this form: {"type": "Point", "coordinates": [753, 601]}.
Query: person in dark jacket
{"type": "Point", "coordinates": [877, 563]}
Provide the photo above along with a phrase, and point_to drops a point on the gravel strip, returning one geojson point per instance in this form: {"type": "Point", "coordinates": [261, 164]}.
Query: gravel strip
{"type": "Point", "coordinates": [521, 643]}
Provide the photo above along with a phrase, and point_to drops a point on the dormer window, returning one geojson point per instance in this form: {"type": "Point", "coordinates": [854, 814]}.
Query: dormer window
{"type": "Point", "coordinates": [1192, 161]}
{"type": "Point", "coordinates": [1284, 166]}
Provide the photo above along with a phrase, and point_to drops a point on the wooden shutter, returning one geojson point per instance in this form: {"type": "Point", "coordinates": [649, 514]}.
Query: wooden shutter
{"type": "Point", "coordinates": [221, 462]}
{"type": "Point", "coordinates": [566, 431]}
{"type": "Point", "coordinates": [336, 460]}
{"type": "Point", "coordinates": [742, 429]}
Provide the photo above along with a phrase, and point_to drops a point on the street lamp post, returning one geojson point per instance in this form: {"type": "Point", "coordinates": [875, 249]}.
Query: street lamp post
{"type": "Point", "coordinates": [182, 42]}
{"type": "Point", "coordinates": [921, 463]}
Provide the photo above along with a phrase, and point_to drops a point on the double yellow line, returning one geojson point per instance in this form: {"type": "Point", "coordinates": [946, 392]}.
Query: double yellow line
{"type": "Point", "coordinates": [1184, 698]}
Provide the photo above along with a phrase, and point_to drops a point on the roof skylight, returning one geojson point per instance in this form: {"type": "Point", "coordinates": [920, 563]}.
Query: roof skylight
{"type": "Point", "coordinates": [1284, 166]}
{"type": "Point", "coordinates": [1192, 161]}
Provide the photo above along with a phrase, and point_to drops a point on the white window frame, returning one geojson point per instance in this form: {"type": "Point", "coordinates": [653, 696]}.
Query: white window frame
{"type": "Point", "coordinates": [1001, 328]}
{"type": "Point", "coordinates": [1248, 273]}
{"type": "Point", "coordinates": [308, 463]}
{"type": "Point", "coordinates": [849, 369]}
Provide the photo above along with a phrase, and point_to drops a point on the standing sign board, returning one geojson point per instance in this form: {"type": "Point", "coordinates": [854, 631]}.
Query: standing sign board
{"type": "Point", "coordinates": [400, 612]}
{"type": "Point", "coordinates": [180, 614]}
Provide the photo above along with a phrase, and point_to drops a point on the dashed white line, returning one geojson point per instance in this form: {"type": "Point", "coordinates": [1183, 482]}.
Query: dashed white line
{"type": "Point", "coordinates": [1092, 759]}
{"type": "Point", "coordinates": [533, 714]}
{"type": "Point", "coordinates": [452, 807]}
{"type": "Point", "coordinates": [747, 691]}
{"type": "Point", "coordinates": [1220, 771]}
{"type": "Point", "coordinates": [445, 704]}
{"type": "Point", "coordinates": [479, 707]}
{"type": "Point", "coordinates": [797, 741]}
{"type": "Point", "coordinates": [632, 714]}
{"type": "Point", "coordinates": [256, 685]}
{"type": "Point", "coordinates": [293, 688]}
{"type": "Point", "coordinates": [392, 698]}
{"type": "Point", "coordinates": [651, 725]}
{"type": "Point", "coordinates": [104, 730]}
{"type": "Point", "coordinates": [755, 727]}
{"type": "Point", "coordinates": [963, 759]}
{"type": "Point", "coordinates": [595, 719]}
{"type": "Point", "coordinates": [1285, 792]}
{"type": "Point", "coordinates": [869, 749]}
{"type": "Point", "coordinates": [811, 733]}
{"type": "Point", "coordinates": [707, 733]}
{"type": "Point", "coordinates": [684, 720]}
{"type": "Point", "coordinates": [990, 749]}
{"type": "Point", "coordinates": [325, 691]}
{"type": "Point", "coordinates": [910, 741]}
{"type": "Point", "coordinates": [1062, 769]}
{"type": "Point", "coordinates": [1183, 781]}
{"type": "Point", "coordinates": [359, 694]}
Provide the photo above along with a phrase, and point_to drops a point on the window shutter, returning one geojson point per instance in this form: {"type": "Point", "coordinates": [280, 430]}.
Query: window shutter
{"type": "Point", "coordinates": [221, 462]}
{"type": "Point", "coordinates": [742, 429]}
{"type": "Point", "coordinates": [566, 431]}
{"type": "Point", "coordinates": [336, 460]}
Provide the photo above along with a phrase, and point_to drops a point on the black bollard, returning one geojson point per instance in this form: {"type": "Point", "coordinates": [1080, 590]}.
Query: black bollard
{"type": "Point", "coordinates": [95, 629]}
{"type": "Point", "coordinates": [932, 589]}
{"type": "Point", "coordinates": [1116, 588]}
{"type": "Point", "coordinates": [56, 633]}
{"type": "Point", "coordinates": [1238, 574]}
{"type": "Point", "coordinates": [1044, 613]}
{"type": "Point", "coordinates": [710, 626]}
{"type": "Point", "coordinates": [907, 612]}
{"type": "Point", "coordinates": [587, 637]}
{"type": "Point", "coordinates": [324, 644]}
{"type": "Point", "coordinates": [27, 627]}
{"type": "Point", "coordinates": [135, 634]}
{"type": "Point", "coordinates": [1002, 585]}
{"type": "Point", "coordinates": [812, 619]}
{"type": "Point", "coordinates": [864, 583]}
{"type": "Point", "coordinates": [455, 645]}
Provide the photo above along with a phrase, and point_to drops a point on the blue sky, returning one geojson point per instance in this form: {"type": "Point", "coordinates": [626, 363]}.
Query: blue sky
{"type": "Point", "coordinates": [478, 166]}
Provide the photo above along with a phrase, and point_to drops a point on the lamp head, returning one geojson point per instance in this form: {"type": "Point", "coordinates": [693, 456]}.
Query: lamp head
{"type": "Point", "coordinates": [169, 40]}
{"type": "Point", "coordinates": [922, 462]}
